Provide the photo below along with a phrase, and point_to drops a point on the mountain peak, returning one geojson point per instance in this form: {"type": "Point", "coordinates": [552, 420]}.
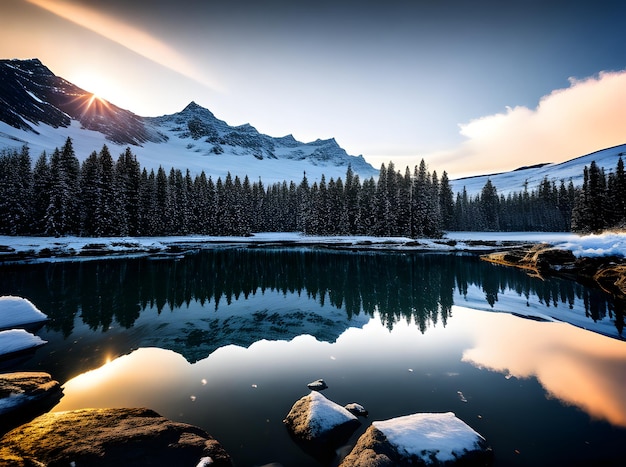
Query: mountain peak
{"type": "Point", "coordinates": [195, 109]}
{"type": "Point", "coordinates": [192, 106]}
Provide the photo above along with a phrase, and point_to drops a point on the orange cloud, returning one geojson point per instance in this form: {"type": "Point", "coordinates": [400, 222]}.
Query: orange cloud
{"type": "Point", "coordinates": [587, 116]}
{"type": "Point", "coordinates": [129, 36]}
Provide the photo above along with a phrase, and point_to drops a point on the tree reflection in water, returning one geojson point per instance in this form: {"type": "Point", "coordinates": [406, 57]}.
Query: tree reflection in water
{"type": "Point", "coordinates": [415, 287]}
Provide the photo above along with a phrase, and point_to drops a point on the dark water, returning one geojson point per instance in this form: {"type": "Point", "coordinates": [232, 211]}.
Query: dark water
{"type": "Point", "coordinates": [228, 339]}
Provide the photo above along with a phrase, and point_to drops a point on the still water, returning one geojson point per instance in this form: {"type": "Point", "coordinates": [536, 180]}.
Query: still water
{"type": "Point", "coordinates": [228, 339]}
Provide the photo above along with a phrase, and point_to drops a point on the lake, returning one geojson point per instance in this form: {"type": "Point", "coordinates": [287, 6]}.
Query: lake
{"type": "Point", "coordinates": [227, 339]}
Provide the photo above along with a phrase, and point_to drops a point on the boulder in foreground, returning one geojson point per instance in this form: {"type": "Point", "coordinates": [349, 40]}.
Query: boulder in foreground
{"type": "Point", "coordinates": [105, 437]}
{"type": "Point", "coordinates": [25, 395]}
{"type": "Point", "coordinates": [425, 439]}
{"type": "Point", "coordinates": [315, 418]}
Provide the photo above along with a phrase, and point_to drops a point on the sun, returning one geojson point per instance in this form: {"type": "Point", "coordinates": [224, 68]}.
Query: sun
{"type": "Point", "coordinates": [95, 84]}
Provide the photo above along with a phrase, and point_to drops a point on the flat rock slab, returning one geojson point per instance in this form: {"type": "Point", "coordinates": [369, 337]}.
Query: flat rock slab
{"type": "Point", "coordinates": [105, 437]}
{"type": "Point", "coordinates": [24, 388]}
{"type": "Point", "coordinates": [424, 439]}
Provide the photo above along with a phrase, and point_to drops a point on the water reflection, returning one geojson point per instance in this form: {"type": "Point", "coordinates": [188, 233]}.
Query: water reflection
{"type": "Point", "coordinates": [391, 372]}
{"type": "Point", "coordinates": [418, 288]}
{"type": "Point", "coordinates": [229, 338]}
{"type": "Point", "coordinates": [577, 367]}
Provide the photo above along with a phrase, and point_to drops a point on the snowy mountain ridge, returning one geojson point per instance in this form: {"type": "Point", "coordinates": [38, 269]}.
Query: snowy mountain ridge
{"type": "Point", "coordinates": [531, 177]}
{"type": "Point", "coordinates": [40, 110]}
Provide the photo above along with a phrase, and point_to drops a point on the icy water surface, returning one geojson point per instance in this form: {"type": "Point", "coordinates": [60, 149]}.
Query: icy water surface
{"type": "Point", "coordinates": [228, 339]}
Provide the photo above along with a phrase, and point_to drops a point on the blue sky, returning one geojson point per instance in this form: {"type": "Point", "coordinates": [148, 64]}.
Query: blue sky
{"type": "Point", "coordinates": [471, 86]}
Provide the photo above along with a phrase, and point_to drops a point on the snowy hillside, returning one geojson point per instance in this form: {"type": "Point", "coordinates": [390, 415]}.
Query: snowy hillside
{"type": "Point", "coordinates": [41, 110]}
{"type": "Point", "coordinates": [514, 181]}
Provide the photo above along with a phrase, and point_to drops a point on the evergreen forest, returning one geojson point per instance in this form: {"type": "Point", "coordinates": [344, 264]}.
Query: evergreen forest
{"type": "Point", "coordinates": [59, 196]}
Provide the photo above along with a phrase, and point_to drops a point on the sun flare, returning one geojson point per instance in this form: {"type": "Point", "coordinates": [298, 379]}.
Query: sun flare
{"type": "Point", "coordinates": [95, 84]}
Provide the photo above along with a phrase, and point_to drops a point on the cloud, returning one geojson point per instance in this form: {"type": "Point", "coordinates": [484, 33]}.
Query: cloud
{"type": "Point", "coordinates": [587, 116]}
{"type": "Point", "coordinates": [129, 36]}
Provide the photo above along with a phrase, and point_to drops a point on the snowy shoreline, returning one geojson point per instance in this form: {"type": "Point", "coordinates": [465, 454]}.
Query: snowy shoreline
{"type": "Point", "coordinates": [50, 249]}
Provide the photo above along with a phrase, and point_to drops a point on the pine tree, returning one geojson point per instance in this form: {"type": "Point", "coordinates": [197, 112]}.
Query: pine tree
{"type": "Point", "coordinates": [91, 184]}
{"type": "Point", "coordinates": [619, 194]}
{"type": "Point", "coordinates": [489, 206]}
{"type": "Point", "coordinates": [383, 204]}
{"type": "Point", "coordinates": [109, 220]}
{"type": "Point", "coordinates": [62, 211]}
{"type": "Point", "coordinates": [41, 193]}
{"type": "Point", "coordinates": [162, 207]}
{"type": "Point", "coordinates": [446, 202]}
{"type": "Point", "coordinates": [128, 176]}
{"type": "Point", "coordinates": [304, 205]}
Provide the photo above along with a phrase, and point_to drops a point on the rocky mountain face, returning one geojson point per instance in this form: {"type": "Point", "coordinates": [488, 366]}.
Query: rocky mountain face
{"type": "Point", "coordinates": [31, 94]}
{"type": "Point", "coordinates": [214, 136]}
{"type": "Point", "coordinates": [34, 101]}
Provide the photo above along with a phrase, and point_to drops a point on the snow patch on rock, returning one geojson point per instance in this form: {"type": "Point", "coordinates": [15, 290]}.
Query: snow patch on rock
{"type": "Point", "coordinates": [424, 435]}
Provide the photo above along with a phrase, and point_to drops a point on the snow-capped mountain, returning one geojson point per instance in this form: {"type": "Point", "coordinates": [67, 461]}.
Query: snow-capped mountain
{"type": "Point", "coordinates": [41, 110]}
{"type": "Point", "coordinates": [516, 180]}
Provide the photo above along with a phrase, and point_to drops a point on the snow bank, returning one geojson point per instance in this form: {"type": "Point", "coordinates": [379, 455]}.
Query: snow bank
{"type": "Point", "coordinates": [18, 312]}
{"type": "Point", "coordinates": [18, 340]}
{"type": "Point", "coordinates": [608, 244]}
{"type": "Point", "coordinates": [424, 435]}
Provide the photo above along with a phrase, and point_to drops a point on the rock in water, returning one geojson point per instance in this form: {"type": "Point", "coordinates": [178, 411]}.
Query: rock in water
{"type": "Point", "coordinates": [356, 409]}
{"type": "Point", "coordinates": [315, 418]}
{"type": "Point", "coordinates": [318, 385]}
{"type": "Point", "coordinates": [426, 439]}
{"type": "Point", "coordinates": [105, 437]}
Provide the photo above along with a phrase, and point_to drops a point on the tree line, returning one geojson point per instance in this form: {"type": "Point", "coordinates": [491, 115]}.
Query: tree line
{"type": "Point", "coordinates": [102, 197]}
{"type": "Point", "coordinates": [598, 205]}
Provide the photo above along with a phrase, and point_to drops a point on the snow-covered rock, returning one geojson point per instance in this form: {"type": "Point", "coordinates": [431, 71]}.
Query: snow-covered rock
{"type": "Point", "coordinates": [15, 341]}
{"type": "Point", "coordinates": [428, 439]}
{"type": "Point", "coordinates": [356, 409]}
{"type": "Point", "coordinates": [18, 312]}
{"type": "Point", "coordinates": [317, 385]}
{"type": "Point", "coordinates": [314, 418]}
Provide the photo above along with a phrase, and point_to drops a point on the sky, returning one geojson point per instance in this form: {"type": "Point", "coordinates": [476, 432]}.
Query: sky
{"type": "Point", "coordinates": [472, 87]}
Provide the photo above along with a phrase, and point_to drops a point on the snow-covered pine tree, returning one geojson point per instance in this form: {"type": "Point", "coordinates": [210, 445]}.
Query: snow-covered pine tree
{"type": "Point", "coordinates": [128, 176]}
{"type": "Point", "coordinates": [41, 193]}
{"type": "Point", "coordinates": [489, 206]}
{"type": "Point", "coordinates": [446, 202]}
{"type": "Point", "coordinates": [90, 189]}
